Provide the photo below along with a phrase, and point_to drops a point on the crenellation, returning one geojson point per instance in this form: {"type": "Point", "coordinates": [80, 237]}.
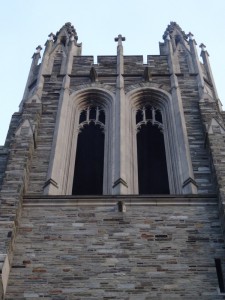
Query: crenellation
{"type": "Point", "coordinates": [82, 65]}
{"type": "Point", "coordinates": [133, 65]}
{"type": "Point", "coordinates": [158, 63]}
{"type": "Point", "coordinates": [106, 65]}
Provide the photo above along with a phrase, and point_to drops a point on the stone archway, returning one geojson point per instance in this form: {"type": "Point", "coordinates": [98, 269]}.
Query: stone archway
{"type": "Point", "coordinates": [62, 161]}
{"type": "Point", "coordinates": [177, 153]}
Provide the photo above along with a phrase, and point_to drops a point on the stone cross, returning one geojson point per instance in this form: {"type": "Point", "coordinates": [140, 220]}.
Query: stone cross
{"type": "Point", "coordinates": [38, 49]}
{"type": "Point", "coordinates": [190, 36]}
{"type": "Point", "coordinates": [51, 37]}
{"type": "Point", "coordinates": [203, 47]}
{"type": "Point", "coordinates": [119, 39]}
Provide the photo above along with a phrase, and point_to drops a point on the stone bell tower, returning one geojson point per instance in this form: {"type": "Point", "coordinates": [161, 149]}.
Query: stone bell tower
{"type": "Point", "coordinates": [112, 176]}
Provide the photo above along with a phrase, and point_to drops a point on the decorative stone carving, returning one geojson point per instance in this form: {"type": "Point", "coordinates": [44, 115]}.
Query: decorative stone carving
{"type": "Point", "coordinates": [25, 129]}
{"type": "Point", "coordinates": [215, 127]}
{"type": "Point", "coordinates": [93, 74]}
{"type": "Point", "coordinates": [34, 99]}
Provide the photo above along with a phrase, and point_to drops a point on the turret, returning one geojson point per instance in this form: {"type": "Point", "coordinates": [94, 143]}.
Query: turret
{"type": "Point", "coordinates": [33, 76]}
{"type": "Point", "coordinates": [57, 59]}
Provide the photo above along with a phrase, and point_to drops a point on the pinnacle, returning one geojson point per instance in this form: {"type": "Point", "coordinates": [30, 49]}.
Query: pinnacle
{"type": "Point", "coordinates": [173, 26]}
{"type": "Point", "coordinates": [69, 29]}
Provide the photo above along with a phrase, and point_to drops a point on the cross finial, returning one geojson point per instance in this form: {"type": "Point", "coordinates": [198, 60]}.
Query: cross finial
{"type": "Point", "coordinates": [203, 47]}
{"type": "Point", "coordinates": [120, 39]}
{"type": "Point", "coordinates": [37, 52]}
{"type": "Point", "coordinates": [190, 36]}
{"type": "Point", "coordinates": [38, 49]}
{"type": "Point", "coordinates": [51, 36]}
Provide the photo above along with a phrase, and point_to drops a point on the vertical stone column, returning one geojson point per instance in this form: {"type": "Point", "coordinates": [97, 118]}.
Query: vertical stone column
{"type": "Point", "coordinates": [53, 184]}
{"type": "Point", "coordinates": [185, 165]}
{"type": "Point", "coordinates": [205, 57]}
{"type": "Point", "coordinates": [35, 58]}
{"type": "Point", "coordinates": [197, 66]}
{"type": "Point", "coordinates": [120, 181]}
{"type": "Point", "coordinates": [56, 182]}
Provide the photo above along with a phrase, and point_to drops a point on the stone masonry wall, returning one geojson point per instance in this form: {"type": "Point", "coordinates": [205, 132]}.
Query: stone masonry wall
{"type": "Point", "coordinates": [134, 70]}
{"type": "Point", "coordinates": [215, 142]}
{"type": "Point", "coordinates": [196, 137]}
{"type": "Point", "coordinates": [66, 250]}
{"type": "Point", "coordinates": [40, 162]}
{"type": "Point", "coordinates": [3, 162]}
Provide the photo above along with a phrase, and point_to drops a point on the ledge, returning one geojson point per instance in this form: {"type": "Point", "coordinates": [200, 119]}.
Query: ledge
{"type": "Point", "coordinates": [111, 200]}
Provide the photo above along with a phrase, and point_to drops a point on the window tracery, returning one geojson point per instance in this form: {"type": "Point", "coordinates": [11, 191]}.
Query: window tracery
{"type": "Point", "coordinates": [93, 114]}
{"type": "Point", "coordinates": [146, 114]}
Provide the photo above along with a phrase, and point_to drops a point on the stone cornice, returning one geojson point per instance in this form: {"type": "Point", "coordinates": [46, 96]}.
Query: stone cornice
{"type": "Point", "coordinates": [112, 200]}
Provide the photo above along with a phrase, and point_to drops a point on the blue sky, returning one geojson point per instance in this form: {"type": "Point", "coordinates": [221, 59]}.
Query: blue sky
{"type": "Point", "coordinates": [24, 24]}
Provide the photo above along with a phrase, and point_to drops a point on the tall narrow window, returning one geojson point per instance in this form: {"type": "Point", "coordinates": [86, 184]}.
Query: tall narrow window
{"type": "Point", "coordinates": [152, 167]}
{"type": "Point", "coordinates": [88, 172]}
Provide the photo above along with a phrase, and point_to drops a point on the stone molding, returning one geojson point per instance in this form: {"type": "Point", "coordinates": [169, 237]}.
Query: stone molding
{"type": "Point", "coordinates": [175, 158]}
{"type": "Point", "coordinates": [128, 200]}
{"type": "Point", "coordinates": [62, 159]}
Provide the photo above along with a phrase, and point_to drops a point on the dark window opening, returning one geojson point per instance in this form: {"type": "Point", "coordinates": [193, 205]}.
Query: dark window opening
{"type": "Point", "coordinates": [152, 167]}
{"type": "Point", "coordinates": [92, 113]}
{"type": "Point", "coordinates": [101, 117]}
{"type": "Point", "coordinates": [158, 116]}
{"type": "Point", "coordinates": [88, 173]}
{"type": "Point", "coordinates": [139, 116]}
{"type": "Point", "coordinates": [83, 116]}
{"type": "Point", "coordinates": [148, 112]}
{"type": "Point", "coordinates": [220, 275]}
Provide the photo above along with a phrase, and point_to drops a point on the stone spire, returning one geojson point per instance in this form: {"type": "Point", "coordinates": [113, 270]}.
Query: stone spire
{"type": "Point", "coordinates": [174, 27]}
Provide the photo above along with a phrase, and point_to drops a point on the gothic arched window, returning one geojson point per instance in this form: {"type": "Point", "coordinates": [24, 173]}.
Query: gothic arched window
{"type": "Point", "coordinates": [151, 156]}
{"type": "Point", "coordinates": [89, 163]}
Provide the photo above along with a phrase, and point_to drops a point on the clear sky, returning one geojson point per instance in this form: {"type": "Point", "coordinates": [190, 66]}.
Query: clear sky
{"type": "Point", "coordinates": [25, 24]}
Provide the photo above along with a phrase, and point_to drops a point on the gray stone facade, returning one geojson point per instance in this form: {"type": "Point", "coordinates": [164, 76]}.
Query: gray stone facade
{"type": "Point", "coordinates": [58, 246]}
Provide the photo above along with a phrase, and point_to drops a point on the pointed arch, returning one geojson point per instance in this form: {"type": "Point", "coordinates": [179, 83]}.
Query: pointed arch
{"type": "Point", "coordinates": [161, 100]}
{"type": "Point", "coordinates": [63, 156]}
